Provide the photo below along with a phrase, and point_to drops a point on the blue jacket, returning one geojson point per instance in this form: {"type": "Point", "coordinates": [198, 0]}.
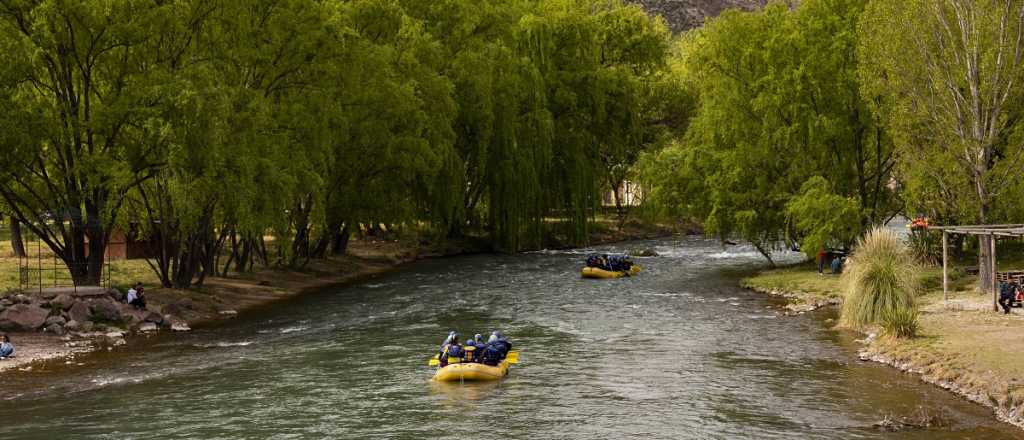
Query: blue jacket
{"type": "Point", "coordinates": [6, 349]}
{"type": "Point", "coordinates": [491, 354]}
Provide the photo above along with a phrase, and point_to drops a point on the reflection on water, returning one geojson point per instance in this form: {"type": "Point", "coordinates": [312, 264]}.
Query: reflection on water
{"type": "Point", "coordinates": [677, 352]}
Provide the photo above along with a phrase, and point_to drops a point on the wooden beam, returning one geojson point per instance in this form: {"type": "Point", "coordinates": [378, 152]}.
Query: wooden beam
{"type": "Point", "coordinates": [995, 270]}
{"type": "Point", "coordinates": [945, 266]}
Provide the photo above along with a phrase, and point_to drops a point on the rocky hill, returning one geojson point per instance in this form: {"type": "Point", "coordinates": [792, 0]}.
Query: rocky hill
{"type": "Point", "coordinates": [687, 14]}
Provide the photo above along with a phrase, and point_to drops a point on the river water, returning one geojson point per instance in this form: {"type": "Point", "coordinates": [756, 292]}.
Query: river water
{"type": "Point", "coordinates": [677, 352]}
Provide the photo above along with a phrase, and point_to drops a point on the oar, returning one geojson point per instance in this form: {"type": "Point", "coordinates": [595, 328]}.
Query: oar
{"type": "Point", "coordinates": [512, 358]}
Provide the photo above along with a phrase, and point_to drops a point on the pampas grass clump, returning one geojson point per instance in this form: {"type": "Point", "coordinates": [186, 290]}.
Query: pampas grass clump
{"type": "Point", "coordinates": [879, 283]}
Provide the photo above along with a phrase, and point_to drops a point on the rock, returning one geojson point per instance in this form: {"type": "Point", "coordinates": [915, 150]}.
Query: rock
{"type": "Point", "coordinates": [154, 318]}
{"type": "Point", "coordinates": [106, 310]}
{"type": "Point", "coordinates": [130, 314]}
{"type": "Point", "coordinates": [115, 294]}
{"type": "Point", "coordinates": [22, 299]}
{"type": "Point", "coordinates": [55, 328]}
{"type": "Point", "coordinates": [114, 334]}
{"type": "Point", "coordinates": [644, 253]}
{"type": "Point", "coordinates": [62, 302]}
{"type": "Point", "coordinates": [79, 311]}
{"type": "Point", "coordinates": [59, 320]}
{"type": "Point", "coordinates": [23, 317]}
{"type": "Point", "coordinates": [88, 326]}
{"type": "Point", "coordinates": [228, 313]}
{"type": "Point", "coordinates": [6, 302]}
{"type": "Point", "coordinates": [48, 294]}
{"type": "Point", "coordinates": [179, 308]}
{"type": "Point", "coordinates": [147, 327]}
{"type": "Point", "coordinates": [180, 326]}
{"type": "Point", "coordinates": [73, 326]}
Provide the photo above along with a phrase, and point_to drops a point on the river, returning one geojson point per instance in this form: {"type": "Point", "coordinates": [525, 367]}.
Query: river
{"type": "Point", "coordinates": [676, 352]}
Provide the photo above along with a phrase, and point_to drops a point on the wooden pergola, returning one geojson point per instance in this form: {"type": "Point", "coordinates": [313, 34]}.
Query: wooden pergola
{"type": "Point", "coordinates": [993, 232]}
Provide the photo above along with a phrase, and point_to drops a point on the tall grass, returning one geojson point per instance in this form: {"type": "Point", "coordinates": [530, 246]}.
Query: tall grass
{"type": "Point", "coordinates": [879, 284]}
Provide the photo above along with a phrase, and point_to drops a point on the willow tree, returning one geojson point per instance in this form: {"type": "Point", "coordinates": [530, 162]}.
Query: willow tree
{"type": "Point", "coordinates": [83, 78]}
{"type": "Point", "coordinates": [391, 116]}
{"type": "Point", "coordinates": [779, 109]}
{"type": "Point", "coordinates": [950, 72]}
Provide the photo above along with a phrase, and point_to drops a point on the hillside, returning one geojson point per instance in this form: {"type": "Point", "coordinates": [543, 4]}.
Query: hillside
{"type": "Point", "coordinates": [687, 14]}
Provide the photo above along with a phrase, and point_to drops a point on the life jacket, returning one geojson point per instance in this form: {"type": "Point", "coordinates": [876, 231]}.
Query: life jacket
{"type": "Point", "coordinates": [491, 354]}
{"type": "Point", "coordinates": [451, 353]}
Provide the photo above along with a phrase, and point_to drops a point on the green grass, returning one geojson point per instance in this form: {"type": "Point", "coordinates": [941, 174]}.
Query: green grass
{"type": "Point", "coordinates": [798, 279]}
{"type": "Point", "coordinates": [123, 273]}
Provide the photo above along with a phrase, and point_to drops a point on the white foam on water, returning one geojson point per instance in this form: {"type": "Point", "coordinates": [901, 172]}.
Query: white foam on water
{"type": "Point", "coordinates": [225, 344]}
{"type": "Point", "coordinates": [298, 328]}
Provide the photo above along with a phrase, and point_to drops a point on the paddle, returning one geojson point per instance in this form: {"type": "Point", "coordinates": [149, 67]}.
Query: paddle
{"type": "Point", "coordinates": [512, 358]}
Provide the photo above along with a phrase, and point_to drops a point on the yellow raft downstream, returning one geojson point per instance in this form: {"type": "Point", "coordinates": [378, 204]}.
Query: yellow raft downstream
{"type": "Point", "coordinates": [593, 272]}
{"type": "Point", "coordinates": [471, 371]}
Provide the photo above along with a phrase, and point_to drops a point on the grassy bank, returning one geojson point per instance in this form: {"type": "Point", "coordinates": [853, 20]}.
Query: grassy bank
{"type": "Point", "coordinates": [962, 346]}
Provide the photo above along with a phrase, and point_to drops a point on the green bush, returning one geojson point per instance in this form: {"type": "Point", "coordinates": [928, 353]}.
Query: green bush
{"type": "Point", "coordinates": [880, 281]}
{"type": "Point", "coordinates": [901, 323]}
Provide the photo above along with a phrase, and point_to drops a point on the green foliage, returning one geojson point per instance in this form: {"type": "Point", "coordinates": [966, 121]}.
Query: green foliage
{"type": "Point", "coordinates": [214, 123]}
{"type": "Point", "coordinates": [879, 282]}
{"type": "Point", "coordinates": [823, 218]}
{"type": "Point", "coordinates": [901, 323]}
{"type": "Point", "coordinates": [778, 105]}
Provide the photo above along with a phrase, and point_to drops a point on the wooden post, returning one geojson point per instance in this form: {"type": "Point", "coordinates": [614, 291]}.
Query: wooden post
{"type": "Point", "coordinates": [945, 266]}
{"type": "Point", "coordinates": [995, 283]}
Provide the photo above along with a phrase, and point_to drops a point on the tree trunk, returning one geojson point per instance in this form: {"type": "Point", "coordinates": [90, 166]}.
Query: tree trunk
{"type": "Point", "coordinates": [17, 243]}
{"type": "Point", "coordinates": [339, 245]}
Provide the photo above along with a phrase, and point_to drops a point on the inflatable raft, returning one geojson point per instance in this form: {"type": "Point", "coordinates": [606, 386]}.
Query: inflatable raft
{"type": "Point", "coordinates": [593, 272]}
{"type": "Point", "coordinates": [471, 372]}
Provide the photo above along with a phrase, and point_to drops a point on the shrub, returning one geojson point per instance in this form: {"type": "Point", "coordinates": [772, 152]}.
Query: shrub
{"type": "Point", "coordinates": [901, 323]}
{"type": "Point", "coordinates": [880, 280]}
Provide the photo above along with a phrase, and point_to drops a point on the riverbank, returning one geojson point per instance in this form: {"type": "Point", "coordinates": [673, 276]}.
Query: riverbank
{"type": "Point", "coordinates": [963, 346]}
{"type": "Point", "coordinates": [225, 297]}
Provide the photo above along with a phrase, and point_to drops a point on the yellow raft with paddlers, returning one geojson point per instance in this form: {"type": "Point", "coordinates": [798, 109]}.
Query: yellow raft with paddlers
{"type": "Point", "coordinates": [593, 272]}
{"type": "Point", "coordinates": [457, 371]}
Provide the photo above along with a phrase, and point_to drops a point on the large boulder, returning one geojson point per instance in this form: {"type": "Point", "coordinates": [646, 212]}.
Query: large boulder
{"type": "Point", "coordinates": [180, 308]}
{"type": "Point", "coordinates": [59, 320]}
{"type": "Point", "coordinates": [73, 326]}
{"type": "Point", "coordinates": [80, 312]}
{"type": "Point", "coordinates": [62, 301]}
{"type": "Point", "coordinates": [147, 327]}
{"type": "Point", "coordinates": [55, 328]}
{"type": "Point", "coordinates": [105, 310]}
{"type": "Point", "coordinates": [23, 317]}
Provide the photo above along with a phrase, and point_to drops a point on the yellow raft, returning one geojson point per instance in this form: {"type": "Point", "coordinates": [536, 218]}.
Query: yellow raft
{"type": "Point", "coordinates": [593, 272]}
{"type": "Point", "coordinates": [471, 371]}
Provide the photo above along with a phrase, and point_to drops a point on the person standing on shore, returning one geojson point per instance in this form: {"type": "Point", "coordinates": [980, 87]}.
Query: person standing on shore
{"type": "Point", "coordinates": [6, 348]}
{"type": "Point", "coordinates": [822, 255]}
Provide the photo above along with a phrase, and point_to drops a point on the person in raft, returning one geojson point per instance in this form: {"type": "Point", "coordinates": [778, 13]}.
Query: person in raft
{"type": "Point", "coordinates": [450, 349]}
{"type": "Point", "coordinates": [498, 340]}
{"type": "Point", "coordinates": [614, 263]}
{"type": "Point", "coordinates": [6, 348]}
{"type": "Point", "coordinates": [474, 347]}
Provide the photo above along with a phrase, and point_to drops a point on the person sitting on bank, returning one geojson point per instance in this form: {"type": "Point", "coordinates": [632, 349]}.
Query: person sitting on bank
{"type": "Point", "coordinates": [451, 349]}
{"type": "Point", "coordinates": [6, 348]}
{"type": "Point", "coordinates": [1008, 293]}
{"type": "Point", "coordinates": [132, 293]}
{"type": "Point", "coordinates": [139, 300]}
